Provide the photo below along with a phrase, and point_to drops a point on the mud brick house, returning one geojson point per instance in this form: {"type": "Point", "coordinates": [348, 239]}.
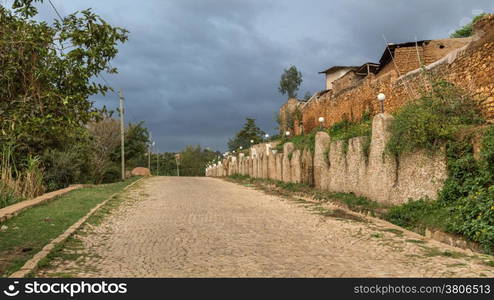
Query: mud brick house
{"type": "Point", "coordinates": [350, 91]}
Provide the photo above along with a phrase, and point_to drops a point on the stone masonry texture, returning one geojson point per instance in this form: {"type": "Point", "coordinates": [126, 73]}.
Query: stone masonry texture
{"type": "Point", "coordinates": [340, 168]}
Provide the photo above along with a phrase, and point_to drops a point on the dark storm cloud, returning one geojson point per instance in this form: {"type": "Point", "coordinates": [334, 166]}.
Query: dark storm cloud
{"type": "Point", "coordinates": [193, 70]}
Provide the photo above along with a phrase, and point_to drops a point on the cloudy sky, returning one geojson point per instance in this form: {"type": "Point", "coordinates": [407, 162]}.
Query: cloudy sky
{"type": "Point", "coordinates": [193, 70]}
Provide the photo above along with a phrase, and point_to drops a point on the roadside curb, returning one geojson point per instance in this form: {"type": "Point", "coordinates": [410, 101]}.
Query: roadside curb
{"type": "Point", "coordinates": [14, 209]}
{"type": "Point", "coordinates": [32, 264]}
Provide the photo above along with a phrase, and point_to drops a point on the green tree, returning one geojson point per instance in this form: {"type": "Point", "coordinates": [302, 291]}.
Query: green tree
{"type": "Point", "coordinates": [136, 146]}
{"type": "Point", "coordinates": [250, 132]}
{"type": "Point", "coordinates": [290, 82]}
{"type": "Point", "coordinates": [48, 74]}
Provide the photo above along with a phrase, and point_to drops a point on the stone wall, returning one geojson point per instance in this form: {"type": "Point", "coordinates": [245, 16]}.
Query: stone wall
{"type": "Point", "coordinates": [470, 67]}
{"type": "Point", "coordinates": [339, 168]}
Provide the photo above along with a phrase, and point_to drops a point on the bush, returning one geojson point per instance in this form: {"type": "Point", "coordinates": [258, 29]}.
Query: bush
{"type": "Point", "coordinates": [345, 130]}
{"type": "Point", "coordinates": [467, 30]}
{"type": "Point", "coordinates": [474, 217]}
{"type": "Point", "coordinates": [470, 191]}
{"type": "Point", "coordinates": [65, 167]}
{"type": "Point", "coordinates": [433, 119]}
{"type": "Point", "coordinates": [111, 174]}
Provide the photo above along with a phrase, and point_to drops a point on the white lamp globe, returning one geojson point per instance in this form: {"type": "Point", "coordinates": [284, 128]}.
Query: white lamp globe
{"type": "Point", "coordinates": [381, 97]}
{"type": "Point", "coordinates": [287, 133]}
{"type": "Point", "coordinates": [266, 136]}
{"type": "Point", "coordinates": [241, 147]}
{"type": "Point", "coordinates": [321, 119]}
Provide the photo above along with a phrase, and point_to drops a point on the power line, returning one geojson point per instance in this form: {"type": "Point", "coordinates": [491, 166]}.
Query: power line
{"type": "Point", "coordinates": [55, 9]}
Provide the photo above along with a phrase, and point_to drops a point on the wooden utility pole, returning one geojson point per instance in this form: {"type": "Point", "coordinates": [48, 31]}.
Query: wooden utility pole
{"type": "Point", "coordinates": [122, 133]}
{"type": "Point", "coordinates": [177, 161]}
{"type": "Point", "coordinates": [149, 157]}
{"type": "Point", "coordinates": [157, 162]}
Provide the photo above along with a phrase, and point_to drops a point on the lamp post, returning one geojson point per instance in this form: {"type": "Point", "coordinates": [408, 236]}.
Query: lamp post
{"type": "Point", "coordinates": [287, 133]}
{"type": "Point", "coordinates": [381, 97]}
{"type": "Point", "coordinates": [321, 122]}
{"type": "Point", "coordinates": [266, 136]}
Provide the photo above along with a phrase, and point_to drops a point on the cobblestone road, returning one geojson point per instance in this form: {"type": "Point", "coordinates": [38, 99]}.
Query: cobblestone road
{"type": "Point", "coordinates": [205, 227]}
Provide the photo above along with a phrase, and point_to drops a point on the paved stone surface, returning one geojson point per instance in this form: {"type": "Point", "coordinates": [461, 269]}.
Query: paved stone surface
{"type": "Point", "coordinates": [206, 227]}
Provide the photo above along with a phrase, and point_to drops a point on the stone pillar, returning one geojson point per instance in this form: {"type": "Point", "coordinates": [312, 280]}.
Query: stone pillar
{"type": "Point", "coordinates": [295, 167]}
{"type": "Point", "coordinates": [321, 166]}
{"type": "Point", "coordinates": [265, 166]}
{"type": "Point", "coordinates": [279, 166]}
{"type": "Point", "coordinates": [381, 171]}
{"type": "Point", "coordinates": [287, 153]}
{"type": "Point", "coordinates": [307, 167]}
{"type": "Point", "coordinates": [272, 166]}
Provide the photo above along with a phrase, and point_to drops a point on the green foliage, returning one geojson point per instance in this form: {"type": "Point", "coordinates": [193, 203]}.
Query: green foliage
{"type": "Point", "coordinates": [345, 130]}
{"type": "Point", "coordinates": [136, 146]}
{"type": "Point", "coordinates": [467, 30]}
{"type": "Point", "coordinates": [290, 82]}
{"type": "Point", "coordinates": [465, 205]}
{"type": "Point", "coordinates": [48, 75]}
{"type": "Point", "coordinates": [304, 141]}
{"type": "Point", "coordinates": [419, 214]}
{"type": "Point", "coordinates": [67, 166]}
{"type": "Point", "coordinates": [432, 120]}
{"type": "Point", "coordinates": [249, 132]}
{"type": "Point", "coordinates": [193, 160]}
{"type": "Point", "coordinates": [473, 210]}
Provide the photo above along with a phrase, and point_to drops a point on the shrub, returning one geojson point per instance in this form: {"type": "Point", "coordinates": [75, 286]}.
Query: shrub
{"type": "Point", "coordinates": [65, 167]}
{"type": "Point", "coordinates": [111, 174]}
{"type": "Point", "coordinates": [470, 191]}
{"type": "Point", "coordinates": [467, 30]}
{"type": "Point", "coordinates": [305, 141]}
{"type": "Point", "coordinates": [345, 130]}
{"type": "Point", "coordinates": [433, 119]}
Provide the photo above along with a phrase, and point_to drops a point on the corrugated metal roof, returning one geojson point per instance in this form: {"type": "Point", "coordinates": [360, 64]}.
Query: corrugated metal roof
{"type": "Point", "coordinates": [337, 68]}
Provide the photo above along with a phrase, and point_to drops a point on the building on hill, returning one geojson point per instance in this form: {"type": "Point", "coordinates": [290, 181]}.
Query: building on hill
{"type": "Point", "coordinates": [405, 57]}
{"type": "Point", "coordinates": [351, 91]}
{"type": "Point", "coordinates": [335, 73]}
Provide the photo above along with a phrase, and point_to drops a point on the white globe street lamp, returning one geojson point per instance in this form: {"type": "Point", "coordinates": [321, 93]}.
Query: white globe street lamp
{"type": "Point", "coordinates": [241, 147]}
{"type": "Point", "coordinates": [252, 141]}
{"type": "Point", "coordinates": [321, 122]}
{"type": "Point", "coordinates": [287, 133]}
{"type": "Point", "coordinates": [266, 136]}
{"type": "Point", "coordinates": [381, 97]}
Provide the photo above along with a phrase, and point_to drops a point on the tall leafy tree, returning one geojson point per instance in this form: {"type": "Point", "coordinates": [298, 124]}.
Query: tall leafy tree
{"type": "Point", "coordinates": [136, 146]}
{"type": "Point", "coordinates": [250, 132]}
{"type": "Point", "coordinates": [48, 74]}
{"type": "Point", "coordinates": [290, 82]}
